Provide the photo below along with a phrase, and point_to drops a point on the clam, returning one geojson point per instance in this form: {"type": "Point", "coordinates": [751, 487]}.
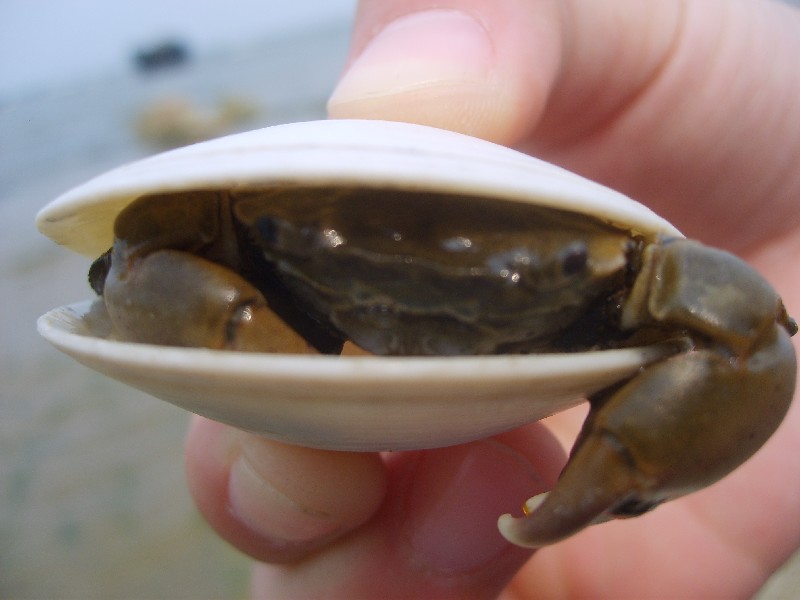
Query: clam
{"type": "Point", "coordinates": [473, 288]}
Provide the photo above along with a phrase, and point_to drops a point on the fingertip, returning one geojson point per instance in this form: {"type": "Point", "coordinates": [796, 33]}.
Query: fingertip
{"type": "Point", "coordinates": [209, 450]}
{"type": "Point", "coordinates": [297, 495]}
{"type": "Point", "coordinates": [466, 70]}
{"type": "Point", "coordinates": [275, 501]}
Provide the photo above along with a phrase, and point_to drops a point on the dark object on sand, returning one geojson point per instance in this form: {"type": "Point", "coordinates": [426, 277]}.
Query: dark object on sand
{"type": "Point", "coordinates": [169, 53]}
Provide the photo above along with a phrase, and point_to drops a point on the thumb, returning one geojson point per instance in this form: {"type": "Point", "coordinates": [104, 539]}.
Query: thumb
{"type": "Point", "coordinates": [490, 68]}
{"type": "Point", "coordinates": [668, 101]}
{"type": "Point", "coordinates": [481, 67]}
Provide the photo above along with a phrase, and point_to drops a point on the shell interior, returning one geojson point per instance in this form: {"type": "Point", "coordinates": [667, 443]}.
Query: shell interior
{"type": "Point", "coordinates": [375, 153]}
{"type": "Point", "coordinates": [347, 403]}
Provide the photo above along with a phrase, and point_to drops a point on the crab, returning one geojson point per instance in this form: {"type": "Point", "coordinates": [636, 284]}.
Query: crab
{"type": "Point", "coordinates": [361, 285]}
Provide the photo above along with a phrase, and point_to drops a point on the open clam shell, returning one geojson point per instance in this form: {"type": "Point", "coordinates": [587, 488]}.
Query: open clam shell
{"type": "Point", "coordinates": [354, 403]}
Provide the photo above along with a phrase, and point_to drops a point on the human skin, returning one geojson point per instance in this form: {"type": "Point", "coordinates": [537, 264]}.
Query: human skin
{"type": "Point", "coordinates": [688, 106]}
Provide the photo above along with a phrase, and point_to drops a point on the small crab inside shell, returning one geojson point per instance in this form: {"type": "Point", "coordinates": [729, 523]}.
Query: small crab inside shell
{"type": "Point", "coordinates": [393, 272]}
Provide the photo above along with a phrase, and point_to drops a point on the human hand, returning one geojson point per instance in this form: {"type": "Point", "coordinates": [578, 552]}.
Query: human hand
{"type": "Point", "coordinates": [688, 106]}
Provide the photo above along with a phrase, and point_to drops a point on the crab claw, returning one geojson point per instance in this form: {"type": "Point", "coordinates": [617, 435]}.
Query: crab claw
{"type": "Point", "coordinates": [597, 482]}
{"type": "Point", "coordinates": [677, 427]}
{"type": "Point", "coordinates": [683, 423]}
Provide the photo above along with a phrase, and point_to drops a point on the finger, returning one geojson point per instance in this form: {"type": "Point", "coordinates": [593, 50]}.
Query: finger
{"type": "Point", "coordinates": [490, 67]}
{"type": "Point", "coordinates": [274, 501]}
{"type": "Point", "coordinates": [482, 67]}
{"type": "Point", "coordinates": [707, 137]}
{"type": "Point", "coordinates": [654, 98]}
{"type": "Point", "coordinates": [436, 534]}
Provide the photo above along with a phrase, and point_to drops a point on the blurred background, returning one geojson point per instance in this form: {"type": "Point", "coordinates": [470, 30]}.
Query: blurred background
{"type": "Point", "coordinates": [93, 501]}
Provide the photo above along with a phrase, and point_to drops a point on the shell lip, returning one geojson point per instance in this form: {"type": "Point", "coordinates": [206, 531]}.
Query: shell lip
{"type": "Point", "coordinates": [351, 403]}
{"type": "Point", "coordinates": [67, 328]}
{"type": "Point", "coordinates": [343, 152]}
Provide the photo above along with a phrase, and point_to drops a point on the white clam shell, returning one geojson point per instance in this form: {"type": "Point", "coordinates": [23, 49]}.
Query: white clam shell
{"type": "Point", "coordinates": [346, 403]}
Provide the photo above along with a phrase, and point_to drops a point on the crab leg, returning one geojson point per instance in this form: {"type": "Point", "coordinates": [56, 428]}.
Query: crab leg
{"type": "Point", "coordinates": [686, 422]}
{"type": "Point", "coordinates": [169, 279]}
{"type": "Point", "coordinates": [178, 299]}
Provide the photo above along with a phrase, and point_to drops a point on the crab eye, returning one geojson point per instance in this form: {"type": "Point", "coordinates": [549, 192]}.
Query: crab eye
{"type": "Point", "coordinates": [267, 229]}
{"type": "Point", "coordinates": [574, 259]}
{"type": "Point", "coordinates": [99, 271]}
